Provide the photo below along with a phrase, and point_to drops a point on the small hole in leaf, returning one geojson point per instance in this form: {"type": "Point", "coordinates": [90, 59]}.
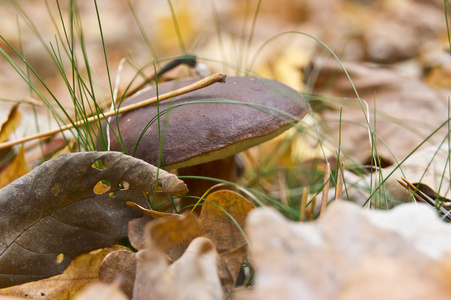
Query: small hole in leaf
{"type": "Point", "coordinates": [124, 185]}
{"type": "Point", "coordinates": [102, 187]}
{"type": "Point", "coordinates": [98, 164]}
{"type": "Point", "coordinates": [59, 258]}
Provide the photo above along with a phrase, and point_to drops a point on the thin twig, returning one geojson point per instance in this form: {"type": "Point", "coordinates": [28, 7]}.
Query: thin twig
{"type": "Point", "coordinates": [283, 191]}
{"type": "Point", "coordinates": [310, 213]}
{"type": "Point", "coordinates": [339, 187]}
{"type": "Point", "coordinates": [303, 204]}
{"type": "Point", "coordinates": [420, 196]}
{"type": "Point", "coordinates": [192, 87]}
{"type": "Point", "coordinates": [325, 190]}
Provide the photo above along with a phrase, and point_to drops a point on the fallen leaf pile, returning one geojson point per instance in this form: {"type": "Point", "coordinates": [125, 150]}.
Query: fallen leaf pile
{"type": "Point", "coordinates": [346, 253]}
{"type": "Point", "coordinates": [57, 213]}
{"type": "Point", "coordinates": [350, 253]}
{"type": "Point", "coordinates": [402, 111]}
{"type": "Point", "coordinates": [185, 257]}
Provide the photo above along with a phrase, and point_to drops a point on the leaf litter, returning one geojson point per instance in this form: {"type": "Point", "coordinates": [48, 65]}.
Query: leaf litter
{"type": "Point", "coordinates": [201, 254]}
{"type": "Point", "coordinates": [349, 252]}
{"type": "Point", "coordinates": [378, 24]}
{"type": "Point", "coordinates": [82, 271]}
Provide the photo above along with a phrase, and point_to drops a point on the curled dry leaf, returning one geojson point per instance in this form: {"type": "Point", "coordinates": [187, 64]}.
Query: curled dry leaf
{"type": "Point", "coordinates": [119, 266]}
{"type": "Point", "coordinates": [136, 233]}
{"type": "Point", "coordinates": [398, 254]}
{"type": "Point", "coordinates": [53, 213]}
{"type": "Point", "coordinates": [430, 167]}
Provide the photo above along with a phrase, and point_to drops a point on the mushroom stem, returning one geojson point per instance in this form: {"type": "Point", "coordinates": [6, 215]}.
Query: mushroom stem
{"type": "Point", "coordinates": [224, 169]}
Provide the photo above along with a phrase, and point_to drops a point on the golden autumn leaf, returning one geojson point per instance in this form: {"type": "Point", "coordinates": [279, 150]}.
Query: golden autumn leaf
{"type": "Point", "coordinates": [81, 271]}
{"type": "Point", "coordinates": [8, 126]}
{"type": "Point", "coordinates": [15, 169]}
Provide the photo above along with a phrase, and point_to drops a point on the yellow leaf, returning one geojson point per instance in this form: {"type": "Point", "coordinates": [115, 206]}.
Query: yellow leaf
{"type": "Point", "coordinates": [82, 270]}
{"type": "Point", "coordinates": [10, 124]}
{"type": "Point", "coordinates": [15, 169]}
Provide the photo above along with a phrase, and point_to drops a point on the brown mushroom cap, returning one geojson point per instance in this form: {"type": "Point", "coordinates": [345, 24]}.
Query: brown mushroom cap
{"type": "Point", "coordinates": [202, 132]}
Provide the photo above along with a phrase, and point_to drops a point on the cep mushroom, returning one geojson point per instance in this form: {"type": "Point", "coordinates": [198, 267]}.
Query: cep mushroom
{"type": "Point", "coordinates": [202, 139]}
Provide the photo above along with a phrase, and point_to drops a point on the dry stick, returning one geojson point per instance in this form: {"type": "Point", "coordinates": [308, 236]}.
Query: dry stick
{"type": "Point", "coordinates": [339, 187]}
{"type": "Point", "coordinates": [419, 195]}
{"type": "Point", "coordinates": [303, 204]}
{"type": "Point", "coordinates": [310, 213]}
{"type": "Point", "coordinates": [283, 191]}
{"type": "Point", "coordinates": [325, 190]}
{"type": "Point", "coordinates": [192, 87]}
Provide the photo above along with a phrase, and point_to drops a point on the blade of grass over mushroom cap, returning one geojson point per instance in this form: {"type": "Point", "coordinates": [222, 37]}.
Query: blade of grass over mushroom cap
{"type": "Point", "coordinates": [192, 87]}
{"type": "Point", "coordinates": [203, 128]}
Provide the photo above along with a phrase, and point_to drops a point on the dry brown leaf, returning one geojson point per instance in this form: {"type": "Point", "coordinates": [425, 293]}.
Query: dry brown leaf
{"type": "Point", "coordinates": [350, 251]}
{"type": "Point", "coordinates": [82, 271]}
{"type": "Point", "coordinates": [52, 214]}
{"type": "Point", "coordinates": [174, 235]}
{"type": "Point", "coordinates": [215, 222]}
{"type": "Point", "coordinates": [216, 219]}
{"type": "Point", "coordinates": [392, 31]}
{"type": "Point", "coordinates": [136, 226]}
{"type": "Point", "coordinates": [229, 265]}
{"type": "Point", "coordinates": [119, 266]}
{"type": "Point", "coordinates": [407, 110]}
{"type": "Point", "coordinates": [216, 225]}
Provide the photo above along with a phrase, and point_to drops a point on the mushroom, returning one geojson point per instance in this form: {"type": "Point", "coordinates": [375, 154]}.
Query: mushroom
{"type": "Point", "coordinates": [202, 138]}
